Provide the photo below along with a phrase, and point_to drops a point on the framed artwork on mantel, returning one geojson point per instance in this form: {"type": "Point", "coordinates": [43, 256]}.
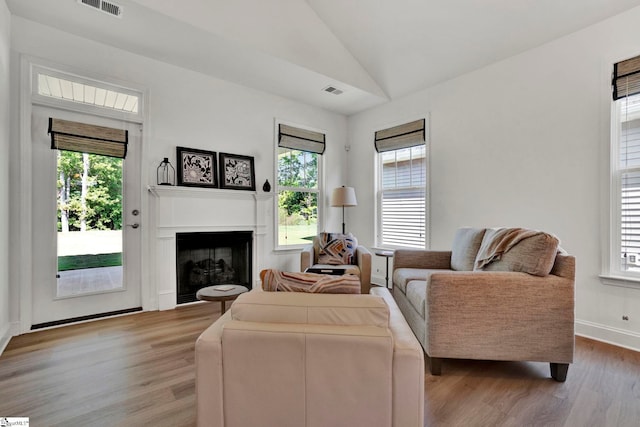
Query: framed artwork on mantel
{"type": "Point", "coordinates": [237, 172]}
{"type": "Point", "coordinates": [197, 168]}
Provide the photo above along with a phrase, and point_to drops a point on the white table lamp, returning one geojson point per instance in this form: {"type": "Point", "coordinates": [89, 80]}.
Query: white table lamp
{"type": "Point", "coordinates": [343, 197]}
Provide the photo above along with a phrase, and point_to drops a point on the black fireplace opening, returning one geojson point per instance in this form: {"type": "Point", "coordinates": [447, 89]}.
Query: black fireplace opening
{"type": "Point", "coordinates": [212, 258]}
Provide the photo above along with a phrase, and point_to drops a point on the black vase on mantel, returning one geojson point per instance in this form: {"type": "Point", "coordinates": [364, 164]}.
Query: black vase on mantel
{"type": "Point", "coordinates": [266, 187]}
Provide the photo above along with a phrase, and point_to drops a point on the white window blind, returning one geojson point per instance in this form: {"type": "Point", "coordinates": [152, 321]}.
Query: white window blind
{"type": "Point", "coordinates": [401, 198]}
{"type": "Point", "coordinates": [403, 218]}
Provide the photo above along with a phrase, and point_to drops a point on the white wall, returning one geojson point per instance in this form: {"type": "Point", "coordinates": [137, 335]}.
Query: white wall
{"type": "Point", "coordinates": [193, 110]}
{"type": "Point", "coordinates": [523, 142]}
{"type": "Point", "coordinates": [5, 20]}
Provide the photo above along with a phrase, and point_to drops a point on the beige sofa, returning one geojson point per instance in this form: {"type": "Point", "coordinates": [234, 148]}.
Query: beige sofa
{"type": "Point", "coordinates": [296, 359]}
{"type": "Point", "coordinates": [361, 266]}
{"type": "Point", "coordinates": [519, 307]}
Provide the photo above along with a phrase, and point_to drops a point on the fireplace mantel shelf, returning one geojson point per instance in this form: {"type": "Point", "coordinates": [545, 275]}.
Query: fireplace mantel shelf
{"type": "Point", "coordinates": [197, 192]}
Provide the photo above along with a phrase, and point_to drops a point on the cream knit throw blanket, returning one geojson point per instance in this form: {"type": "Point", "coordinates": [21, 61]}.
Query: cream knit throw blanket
{"type": "Point", "coordinates": [496, 242]}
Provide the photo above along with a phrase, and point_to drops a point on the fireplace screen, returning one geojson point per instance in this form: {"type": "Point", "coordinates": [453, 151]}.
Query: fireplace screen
{"type": "Point", "coordinates": [212, 258]}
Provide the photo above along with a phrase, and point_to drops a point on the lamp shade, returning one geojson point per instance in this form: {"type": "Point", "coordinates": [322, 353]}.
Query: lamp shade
{"type": "Point", "coordinates": [344, 196]}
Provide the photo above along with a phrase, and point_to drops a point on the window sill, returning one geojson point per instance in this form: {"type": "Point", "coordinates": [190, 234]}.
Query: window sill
{"type": "Point", "coordinates": [284, 249]}
{"type": "Point", "coordinates": [621, 281]}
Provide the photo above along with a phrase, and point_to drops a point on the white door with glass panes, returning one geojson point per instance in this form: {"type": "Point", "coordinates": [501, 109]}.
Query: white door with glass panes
{"type": "Point", "coordinates": [86, 216]}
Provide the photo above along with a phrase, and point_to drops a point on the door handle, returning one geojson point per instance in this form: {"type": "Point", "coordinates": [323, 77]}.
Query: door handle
{"type": "Point", "coordinates": [136, 225]}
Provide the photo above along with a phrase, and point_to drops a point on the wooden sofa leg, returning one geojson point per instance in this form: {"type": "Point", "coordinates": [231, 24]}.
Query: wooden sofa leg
{"type": "Point", "coordinates": [559, 371]}
{"type": "Point", "coordinates": [435, 365]}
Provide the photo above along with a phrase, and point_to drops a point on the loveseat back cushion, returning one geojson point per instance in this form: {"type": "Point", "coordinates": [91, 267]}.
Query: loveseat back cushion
{"type": "Point", "coordinates": [323, 309]}
{"type": "Point", "coordinates": [335, 248]}
{"type": "Point", "coordinates": [533, 255]}
{"type": "Point", "coordinates": [465, 248]}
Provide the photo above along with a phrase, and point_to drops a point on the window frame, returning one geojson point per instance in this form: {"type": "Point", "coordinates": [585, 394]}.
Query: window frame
{"type": "Point", "coordinates": [277, 188]}
{"type": "Point", "coordinates": [62, 73]}
{"type": "Point", "coordinates": [612, 273]}
{"type": "Point", "coordinates": [379, 190]}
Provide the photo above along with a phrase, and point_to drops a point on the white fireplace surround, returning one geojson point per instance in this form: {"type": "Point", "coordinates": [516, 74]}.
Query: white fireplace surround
{"type": "Point", "coordinates": [188, 210]}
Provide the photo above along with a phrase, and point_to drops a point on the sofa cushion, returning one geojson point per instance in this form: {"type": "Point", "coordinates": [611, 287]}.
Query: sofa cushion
{"type": "Point", "coordinates": [336, 248]}
{"type": "Point", "coordinates": [402, 276]}
{"type": "Point", "coordinates": [534, 254]}
{"type": "Point", "coordinates": [324, 309]}
{"type": "Point", "coordinates": [465, 248]}
{"type": "Point", "coordinates": [416, 294]}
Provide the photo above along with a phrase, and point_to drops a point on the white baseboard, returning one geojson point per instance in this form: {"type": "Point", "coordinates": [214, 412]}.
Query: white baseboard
{"type": "Point", "coordinates": [378, 280]}
{"type": "Point", "coordinates": [5, 336]}
{"type": "Point", "coordinates": [167, 300]}
{"type": "Point", "coordinates": [15, 329]}
{"type": "Point", "coordinates": [609, 335]}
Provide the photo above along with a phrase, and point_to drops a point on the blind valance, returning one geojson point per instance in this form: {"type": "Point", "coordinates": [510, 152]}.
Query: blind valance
{"type": "Point", "coordinates": [300, 139]}
{"type": "Point", "coordinates": [626, 78]}
{"type": "Point", "coordinates": [84, 138]}
{"type": "Point", "coordinates": [402, 136]}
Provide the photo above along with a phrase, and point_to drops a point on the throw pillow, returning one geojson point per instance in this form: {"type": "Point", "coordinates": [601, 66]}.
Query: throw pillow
{"type": "Point", "coordinates": [336, 248]}
{"type": "Point", "coordinates": [465, 248]}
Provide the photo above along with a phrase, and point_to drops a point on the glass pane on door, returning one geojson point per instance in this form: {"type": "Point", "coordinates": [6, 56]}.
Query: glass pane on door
{"type": "Point", "coordinates": [89, 223]}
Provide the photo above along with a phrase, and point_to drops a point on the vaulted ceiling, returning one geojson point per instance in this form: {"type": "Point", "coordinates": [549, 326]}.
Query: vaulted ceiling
{"type": "Point", "coordinates": [372, 50]}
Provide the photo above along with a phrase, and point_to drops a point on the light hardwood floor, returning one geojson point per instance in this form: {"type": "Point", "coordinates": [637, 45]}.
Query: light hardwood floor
{"type": "Point", "coordinates": [138, 370]}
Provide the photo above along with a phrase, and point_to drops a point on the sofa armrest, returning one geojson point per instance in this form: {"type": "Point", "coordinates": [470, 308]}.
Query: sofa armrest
{"type": "Point", "coordinates": [500, 316]}
{"type": "Point", "coordinates": [564, 266]}
{"type": "Point", "coordinates": [363, 259]}
{"type": "Point", "coordinates": [414, 258]}
{"type": "Point", "coordinates": [209, 408]}
{"type": "Point", "coordinates": [408, 366]}
{"type": "Point", "coordinates": [306, 257]}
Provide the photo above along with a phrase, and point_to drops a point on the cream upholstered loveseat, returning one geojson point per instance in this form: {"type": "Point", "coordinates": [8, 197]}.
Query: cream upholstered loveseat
{"type": "Point", "coordinates": [360, 264]}
{"type": "Point", "coordinates": [296, 359]}
{"type": "Point", "coordinates": [516, 305]}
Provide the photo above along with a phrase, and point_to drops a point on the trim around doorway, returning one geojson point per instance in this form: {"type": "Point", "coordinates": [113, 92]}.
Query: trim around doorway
{"type": "Point", "coordinates": [21, 259]}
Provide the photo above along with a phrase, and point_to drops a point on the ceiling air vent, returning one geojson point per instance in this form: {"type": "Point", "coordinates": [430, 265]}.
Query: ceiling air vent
{"type": "Point", "coordinates": [333, 90]}
{"type": "Point", "coordinates": [104, 6]}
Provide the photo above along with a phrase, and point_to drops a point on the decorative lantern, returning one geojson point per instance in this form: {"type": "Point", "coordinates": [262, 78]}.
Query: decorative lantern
{"type": "Point", "coordinates": [166, 173]}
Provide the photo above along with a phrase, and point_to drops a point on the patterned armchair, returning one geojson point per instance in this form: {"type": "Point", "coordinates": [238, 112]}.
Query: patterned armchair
{"type": "Point", "coordinates": [339, 251]}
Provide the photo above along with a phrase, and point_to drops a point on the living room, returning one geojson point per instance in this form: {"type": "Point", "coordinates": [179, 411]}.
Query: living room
{"type": "Point", "coordinates": [522, 140]}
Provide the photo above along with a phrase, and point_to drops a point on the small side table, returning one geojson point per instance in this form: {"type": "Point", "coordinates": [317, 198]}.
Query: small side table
{"type": "Point", "coordinates": [387, 255]}
{"type": "Point", "coordinates": [221, 293]}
